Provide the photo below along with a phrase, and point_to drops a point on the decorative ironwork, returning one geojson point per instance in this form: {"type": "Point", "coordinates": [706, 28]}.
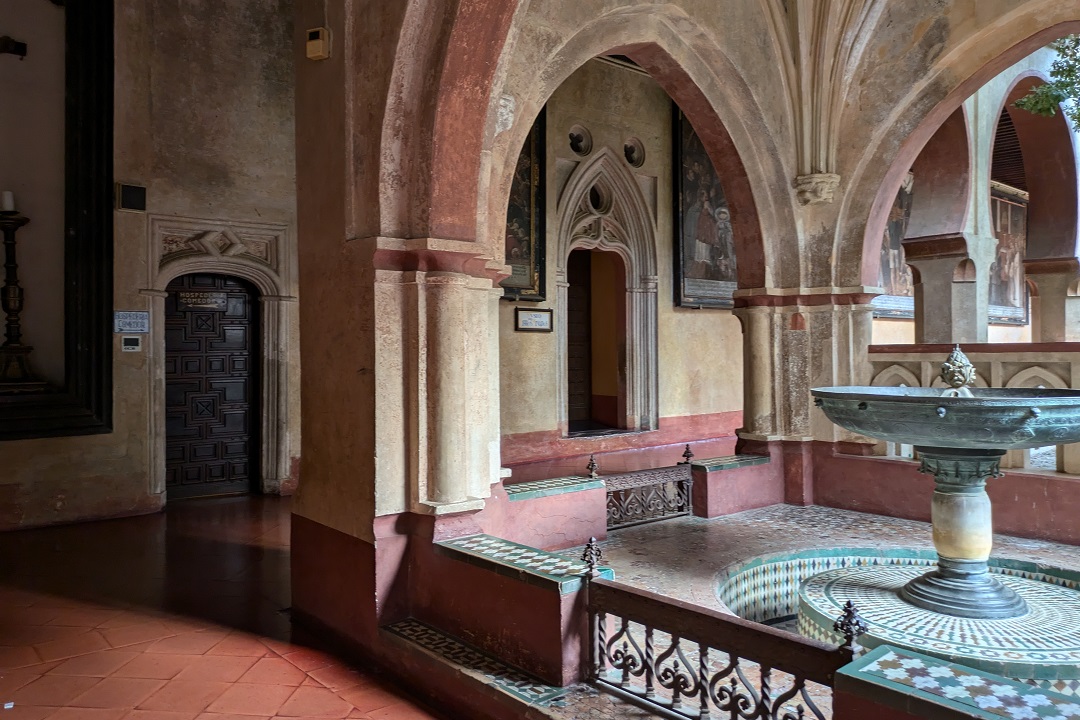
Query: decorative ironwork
{"type": "Point", "coordinates": [688, 455]}
{"type": "Point", "coordinates": [851, 625]}
{"type": "Point", "coordinates": [592, 556]}
{"type": "Point", "coordinates": [648, 495]}
{"type": "Point", "coordinates": [592, 467]}
{"type": "Point", "coordinates": [697, 663]}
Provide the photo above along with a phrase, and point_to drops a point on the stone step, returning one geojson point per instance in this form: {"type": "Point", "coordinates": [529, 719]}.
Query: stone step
{"type": "Point", "coordinates": [729, 462]}
{"type": "Point", "coordinates": [552, 486]}
{"type": "Point", "coordinates": [492, 688]}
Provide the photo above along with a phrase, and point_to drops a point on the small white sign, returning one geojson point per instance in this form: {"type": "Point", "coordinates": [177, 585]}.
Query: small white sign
{"type": "Point", "coordinates": [131, 321]}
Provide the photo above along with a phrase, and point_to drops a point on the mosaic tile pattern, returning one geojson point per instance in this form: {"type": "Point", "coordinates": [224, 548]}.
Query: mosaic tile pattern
{"type": "Point", "coordinates": [552, 486]}
{"type": "Point", "coordinates": [1043, 644]}
{"type": "Point", "coordinates": [984, 696]}
{"type": "Point", "coordinates": [729, 462]}
{"type": "Point", "coordinates": [493, 672]}
{"type": "Point", "coordinates": [528, 564]}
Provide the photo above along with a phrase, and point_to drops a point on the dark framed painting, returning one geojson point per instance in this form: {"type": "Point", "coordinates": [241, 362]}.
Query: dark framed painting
{"type": "Point", "coordinates": [894, 275]}
{"type": "Point", "coordinates": [525, 220]}
{"type": "Point", "coordinates": [704, 242]}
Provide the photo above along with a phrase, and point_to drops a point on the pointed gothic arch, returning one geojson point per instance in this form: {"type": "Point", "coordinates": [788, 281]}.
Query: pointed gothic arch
{"type": "Point", "coordinates": [602, 208]}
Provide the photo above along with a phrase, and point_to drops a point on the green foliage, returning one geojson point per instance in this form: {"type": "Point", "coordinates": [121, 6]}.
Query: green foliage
{"type": "Point", "coordinates": [1064, 87]}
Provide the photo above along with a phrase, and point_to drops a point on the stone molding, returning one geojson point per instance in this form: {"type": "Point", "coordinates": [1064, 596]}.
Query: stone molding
{"type": "Point", "coordinates": [816, 188]}
{"type": "Point", "coordinates": [622, 223]}
{"type": "Point", "coordinates": [260, 253]}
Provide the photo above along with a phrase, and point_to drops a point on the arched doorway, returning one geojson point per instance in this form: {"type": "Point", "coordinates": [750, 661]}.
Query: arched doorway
{"type": "Point", "coordinates": [211, 386]}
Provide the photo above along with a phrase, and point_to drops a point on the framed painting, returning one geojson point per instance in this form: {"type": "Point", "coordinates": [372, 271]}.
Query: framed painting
{"type": "Point", "coordinates": [704, 243]}
{"type": "Point", "coordinates": [525, 221]}
{"type": "Point", "coordinates": [894, 275]}
{"type": "Point", "coordinates": [1008, 289]}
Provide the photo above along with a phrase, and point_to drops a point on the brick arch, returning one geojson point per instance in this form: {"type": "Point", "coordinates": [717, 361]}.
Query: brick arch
{"type": "Point", "coordinates": [709, 89]}
{"type": "Point", "coordinates": [960, 71]}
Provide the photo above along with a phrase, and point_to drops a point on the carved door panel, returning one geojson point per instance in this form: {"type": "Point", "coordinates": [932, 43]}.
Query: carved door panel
{"type": "Point", "coordinates": [211, 393]}
{"type": "Point", "coordinates": [578, 338]}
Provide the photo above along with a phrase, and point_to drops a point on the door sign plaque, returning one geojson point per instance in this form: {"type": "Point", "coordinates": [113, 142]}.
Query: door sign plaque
{"type": "Point", "coordinates": [201, 301]}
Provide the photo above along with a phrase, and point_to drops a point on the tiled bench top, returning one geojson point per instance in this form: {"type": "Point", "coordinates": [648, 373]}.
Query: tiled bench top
{"type": "Point", "coordinates": [932, 688]}
{"type": "Point", "coordinates": [553, 486]}
{"type": "Point", "coordinates": [729, 462]}
{"type": "Point", "coordinates": [524, 563]}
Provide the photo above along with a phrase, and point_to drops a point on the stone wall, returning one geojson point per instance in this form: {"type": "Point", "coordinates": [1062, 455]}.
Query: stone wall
{"type": "Point", "coordinates": [204, 120]}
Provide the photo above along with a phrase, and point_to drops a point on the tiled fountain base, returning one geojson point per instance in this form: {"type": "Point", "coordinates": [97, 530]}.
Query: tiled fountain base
{"type": "Point", "coordinates": [1042, 646]}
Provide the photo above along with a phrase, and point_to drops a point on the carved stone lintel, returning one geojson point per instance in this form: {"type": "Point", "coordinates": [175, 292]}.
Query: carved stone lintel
{"type": "Point", "coordinates": [816, 188]}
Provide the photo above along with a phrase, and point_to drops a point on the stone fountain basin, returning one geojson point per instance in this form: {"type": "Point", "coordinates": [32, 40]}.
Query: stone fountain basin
{"type": "Point", "coordinates": [992, 419]}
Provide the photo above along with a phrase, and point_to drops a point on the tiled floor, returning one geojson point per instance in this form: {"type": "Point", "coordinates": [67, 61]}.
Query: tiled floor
{"type": "Point", "coordinates": [174, 616]}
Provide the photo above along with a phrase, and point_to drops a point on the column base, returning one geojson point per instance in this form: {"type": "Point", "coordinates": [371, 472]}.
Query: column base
{"type": "Point", "coordinates": [964, 588]}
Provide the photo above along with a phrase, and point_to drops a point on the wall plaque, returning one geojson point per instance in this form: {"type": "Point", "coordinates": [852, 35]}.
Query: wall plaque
{"type": "Point", "coordinates": [201, 301]}
{"type": "Point", "coordinates": [131, 321]}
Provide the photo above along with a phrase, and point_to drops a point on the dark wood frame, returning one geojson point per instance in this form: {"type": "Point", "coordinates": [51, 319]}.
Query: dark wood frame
{"type": "Point", "coordinates": [681, 299]}
{"type": "Point", "coordinates": [84, 405]}
{"type": "Point", "coordinates": [537, 292]}
{"type": "Point", "coordinates": [517, 322]}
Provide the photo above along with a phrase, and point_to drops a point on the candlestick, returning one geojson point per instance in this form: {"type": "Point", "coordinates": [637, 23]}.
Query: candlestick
{"type": "Point", "coordinates": [7, 201]}
{"type": "Point", "coordinates": [15, 374]}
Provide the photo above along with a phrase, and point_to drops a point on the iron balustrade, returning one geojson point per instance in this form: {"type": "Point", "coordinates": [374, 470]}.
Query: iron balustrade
{"type": "Point", "coordinates": [646, 495]}
{"type": "Point", "coordinates": [684, 661]}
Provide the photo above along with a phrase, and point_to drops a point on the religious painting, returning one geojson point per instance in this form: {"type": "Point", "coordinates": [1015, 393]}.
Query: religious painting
{"type": "Point", "coordinates": [704, 242]}
{"type": "Point", "coordinates": [525, 221]}
{"type": "Point", "coordinates": [894, 276]}
{"type": "Point", "coordinates": [1008, 290]}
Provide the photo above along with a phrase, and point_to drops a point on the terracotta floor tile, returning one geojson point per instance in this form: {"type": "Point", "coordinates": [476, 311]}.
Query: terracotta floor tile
{"type": "Point", "coordinates": [252, 699]}
{"type": "Point", "coordinates": [27, 712]}
{"type": "Point", "coordinates": [156, 666]}
{"type": "Point", "coordinates": [116, 692]}
{"type": "Point", "coordinates": [80, 617]}
{"type": "Point", "coordinates": [37, 634]}
{"type": "Point", "coordinates": [186, 695]}
{"type": "Point", "coordinates": [229, 716]}
{"type": "Point", "coordinates": [307, 659]}
{"type": "Point", "coordinates": [12, 680]}
{"type": "Point", "coordinates": [158, 715]}
{"type": "Point", "coordinates": [98, 664]}
{"type": "Point", "coordinates": [28, 615]}
{"type": "Point", "coordinates": [52, 690]}
{"type": "Point", "coordinates": [401, 711]}
{"type": "Point", "coordinates": [240, 644]}
{"type": "Point", "coordinates": [191, 643]}
{"type": "Point", "coordinates": [273, 671]}
{"type": "Point", "coordinates": [371, 697]}
{"type": "Point", "coordinates": [14, 657]}
{"type": "Point", "coordinates": [224, 668]}
{"type": "Point", "coordinates": [338, 677]}
{"type": "Point", "coordinates": [122, 619]}
{"type": "Point", "coordinates": [315, 702]}
{"type": "Point", "coordinates": [70, 647]}
{"type": "Point", "coordinates": [132, 634]}
{"type": "Point", "coordinates": [87, 714]}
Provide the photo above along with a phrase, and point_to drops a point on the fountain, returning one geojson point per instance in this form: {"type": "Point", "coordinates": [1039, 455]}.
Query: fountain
{"type": "Point", "coordinates": [960, 435]}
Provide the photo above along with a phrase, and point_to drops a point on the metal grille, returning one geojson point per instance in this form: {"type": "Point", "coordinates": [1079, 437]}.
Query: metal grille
{"type": "Point", "coordinates": [648, 495]}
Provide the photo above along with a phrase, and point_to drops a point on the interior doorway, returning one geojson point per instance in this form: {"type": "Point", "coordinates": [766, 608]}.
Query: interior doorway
{"type": "Point", "coordinates": [211, 388]}
{"type": "Point", "coordinates": [596, 342]}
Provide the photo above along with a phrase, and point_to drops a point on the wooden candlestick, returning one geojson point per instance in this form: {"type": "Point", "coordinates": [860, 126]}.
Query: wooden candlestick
{"type": "Point", "coordinates": [15, 374]}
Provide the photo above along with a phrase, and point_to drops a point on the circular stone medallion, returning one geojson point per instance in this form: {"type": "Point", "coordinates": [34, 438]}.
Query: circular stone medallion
{"type": "Point", "coordinates": [1044, 643]}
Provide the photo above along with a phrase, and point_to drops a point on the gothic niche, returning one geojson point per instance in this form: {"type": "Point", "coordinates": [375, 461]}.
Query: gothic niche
{"type": "Point", "coordinates": [602, 207]}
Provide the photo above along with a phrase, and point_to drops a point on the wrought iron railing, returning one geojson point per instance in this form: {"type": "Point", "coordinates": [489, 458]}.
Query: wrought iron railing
{"type": "Point", "coordinates": [684, 661]}
{"type": "Point", "coordinates": [646, 495]}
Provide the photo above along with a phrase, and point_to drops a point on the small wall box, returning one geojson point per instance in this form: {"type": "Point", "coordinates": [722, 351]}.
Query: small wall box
{"type": "Point", "coordinates": [533, 320]}
{"type": "Point", "coordinates": [318, 43]}
{"type": "Point", "coordinates": [131, 343]}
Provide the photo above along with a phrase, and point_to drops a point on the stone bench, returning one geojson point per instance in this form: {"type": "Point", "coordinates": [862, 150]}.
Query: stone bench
{"type": "Point", "coordinates": [733, 483]}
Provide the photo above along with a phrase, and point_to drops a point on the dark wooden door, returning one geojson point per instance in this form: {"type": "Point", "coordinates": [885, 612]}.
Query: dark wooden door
{"type": "Point", "coordinates": [579, 338]}
{"type": "Point", "coordinates": [211, 393]}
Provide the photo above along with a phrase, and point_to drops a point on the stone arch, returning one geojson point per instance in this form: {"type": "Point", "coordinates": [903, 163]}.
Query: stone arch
{"type": "Point", "coordinates": [939, 202]}
{"type": "Point", "coordinates": [1036, 376]}
{"type": "Point", "coordinates": [704, 83]}
{"type": "Point", "coordinates": [621, 223]}
{"type": "Point", "coordinates": [260, 254]}
{"type": "Point", "coordinates": [1050, 170]}
{"type": "Point", "coordinates": [895, 376]}
{"type": "Point", "coordinates": [959, 70]}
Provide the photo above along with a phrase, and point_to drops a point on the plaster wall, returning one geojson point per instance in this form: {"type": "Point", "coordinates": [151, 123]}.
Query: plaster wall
{"type": "Point", "coordinates": [700, 351]}
{"type": "Point", "coordinates": [902, 332]}
{"type": "Point", "coordinates": [203, 120]}
{"type": "Point", "coordinates": [32, 166]}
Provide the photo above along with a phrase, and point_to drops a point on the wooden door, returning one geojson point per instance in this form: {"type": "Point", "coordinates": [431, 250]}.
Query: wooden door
{"type": "Point", "coordinates": [211, 393]}
{"type": "Point", "coordinates": [579, 338]}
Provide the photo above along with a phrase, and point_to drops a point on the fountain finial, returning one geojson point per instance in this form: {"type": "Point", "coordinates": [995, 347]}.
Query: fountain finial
{"type": "Point", "coordinates": [957, 372]}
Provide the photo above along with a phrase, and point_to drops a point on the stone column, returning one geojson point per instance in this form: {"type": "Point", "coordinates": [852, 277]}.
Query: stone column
{"type": "Point", "coordinates": [1055, 309]}
{"type": "Point", "coordinates": [951, 286]}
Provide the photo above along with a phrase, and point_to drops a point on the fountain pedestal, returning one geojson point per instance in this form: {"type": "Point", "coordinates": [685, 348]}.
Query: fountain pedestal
{"type": "Point", "coordinates": [962, 585]}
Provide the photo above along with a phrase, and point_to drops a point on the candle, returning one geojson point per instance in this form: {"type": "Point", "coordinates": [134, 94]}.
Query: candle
{"type": "Point", "coordinates": [7, 201]}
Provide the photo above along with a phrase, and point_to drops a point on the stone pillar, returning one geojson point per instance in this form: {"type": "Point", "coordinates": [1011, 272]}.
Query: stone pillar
{"type": "Point", "coordinates": [1055, 309]}
{"type": "Point", "coordinates": [951, 286]}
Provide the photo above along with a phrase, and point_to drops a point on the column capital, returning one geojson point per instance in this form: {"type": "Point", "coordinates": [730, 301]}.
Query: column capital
{"type": "Point", "coordinates": [805, 296]}
{"type": "Point", "coordinates": [429, 254]}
